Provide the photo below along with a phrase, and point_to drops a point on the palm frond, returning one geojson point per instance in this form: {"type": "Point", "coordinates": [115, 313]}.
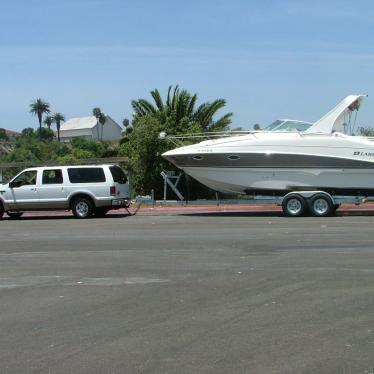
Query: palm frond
{"type": "Point", "coordinates": [158, 100]}
{"type": "Point", "coordinates": [222, 123]}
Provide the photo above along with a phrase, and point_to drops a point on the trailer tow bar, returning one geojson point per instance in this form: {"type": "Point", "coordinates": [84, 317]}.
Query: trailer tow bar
{"type": "Point", "coordinates": [133, 213]}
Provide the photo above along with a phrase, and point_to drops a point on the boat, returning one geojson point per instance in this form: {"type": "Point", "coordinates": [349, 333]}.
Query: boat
{"type": "Point", "coordinates": [268, 162]}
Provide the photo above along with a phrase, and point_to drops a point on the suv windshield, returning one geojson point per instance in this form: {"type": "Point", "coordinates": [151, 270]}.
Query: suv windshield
{"type": "Point", "coordinates": [118, 175]}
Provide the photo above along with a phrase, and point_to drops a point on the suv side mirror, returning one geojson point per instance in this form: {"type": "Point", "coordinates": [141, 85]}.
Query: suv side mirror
{"type": "Point", "coordinates": [12, 184]}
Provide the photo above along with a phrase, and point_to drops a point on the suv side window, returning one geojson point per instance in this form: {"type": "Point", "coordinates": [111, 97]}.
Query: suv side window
{"type": "Point", "coordinates": [27, 178]}
{"type": "Point", "coordinates": [86, 175]}
{"type": "Point", "coordinates": [52, 176]}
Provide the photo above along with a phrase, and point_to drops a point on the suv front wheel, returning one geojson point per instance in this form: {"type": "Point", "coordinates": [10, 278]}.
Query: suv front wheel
{"type": "Point", "coordinates": [82, 207]}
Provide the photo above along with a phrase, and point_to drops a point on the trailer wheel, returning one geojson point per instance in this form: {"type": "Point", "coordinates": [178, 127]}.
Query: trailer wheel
{"type": "Point", "coordinates": [294, 205]}
{"type": "Point", "coordinates": [321, 205]}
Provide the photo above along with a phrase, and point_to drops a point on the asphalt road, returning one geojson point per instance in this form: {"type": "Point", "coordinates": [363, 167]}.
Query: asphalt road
{"type": "Point", "coordinates": [203, 293]}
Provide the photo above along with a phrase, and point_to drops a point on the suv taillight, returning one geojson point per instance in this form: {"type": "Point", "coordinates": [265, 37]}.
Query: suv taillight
{"type": "Point", "coordinates": [112, 190]}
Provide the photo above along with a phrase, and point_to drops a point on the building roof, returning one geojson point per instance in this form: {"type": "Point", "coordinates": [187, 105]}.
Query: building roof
{"type": "Point", "coordinates": [79, 123]}
{"type": "Point", "coordinates": [11, 132]}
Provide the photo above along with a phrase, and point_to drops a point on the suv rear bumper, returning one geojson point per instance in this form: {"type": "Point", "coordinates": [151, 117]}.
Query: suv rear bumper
{"type": "Point", "coordinates": [120, 203]}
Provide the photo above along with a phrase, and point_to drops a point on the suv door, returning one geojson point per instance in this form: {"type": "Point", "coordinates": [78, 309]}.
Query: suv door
{"type": "Point", "coordinates": [23, 191]}
{"type": "Point", "coordinates": [52, 194]}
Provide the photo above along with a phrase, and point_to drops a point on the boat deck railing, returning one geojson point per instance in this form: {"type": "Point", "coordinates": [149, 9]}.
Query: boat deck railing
{"type": "Point", "coordinates": [180, 138]}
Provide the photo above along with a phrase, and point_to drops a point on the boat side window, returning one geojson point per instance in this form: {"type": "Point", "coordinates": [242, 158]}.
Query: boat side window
{"type": "Point", "coordinates": [27, 178]}
{"type": "Point", "coordinates": [197, 158]}
{"type": "Point", "coordinates": [52, 176]}
{"type": "Point", "coordinates": [233, 157]}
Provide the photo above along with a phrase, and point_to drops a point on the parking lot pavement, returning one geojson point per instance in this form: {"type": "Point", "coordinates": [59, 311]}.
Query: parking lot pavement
{"type": "Point", "coordinates": [216, 292]}
{"type": "Point", "coordinates": [159, 209]}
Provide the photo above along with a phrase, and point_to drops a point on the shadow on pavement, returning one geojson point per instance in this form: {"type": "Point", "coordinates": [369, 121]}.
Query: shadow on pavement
{"type": "Point", "coordinates": [275, 214]}
{"type": "Point", "coordinates": [56, 218]}
{"type": "Point", "coordinates": [233, 214]}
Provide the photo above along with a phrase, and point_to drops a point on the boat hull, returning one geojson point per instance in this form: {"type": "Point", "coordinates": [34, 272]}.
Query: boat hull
{"type": "Point", "coordinates": [276, 180]}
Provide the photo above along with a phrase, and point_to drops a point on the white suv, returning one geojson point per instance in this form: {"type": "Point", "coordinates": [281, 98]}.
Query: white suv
{"type": "Point", "coordinates": [86, 190]}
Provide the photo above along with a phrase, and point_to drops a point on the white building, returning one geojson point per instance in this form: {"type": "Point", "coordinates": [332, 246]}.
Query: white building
{"type": "Point", "coordinates": [90, 128]}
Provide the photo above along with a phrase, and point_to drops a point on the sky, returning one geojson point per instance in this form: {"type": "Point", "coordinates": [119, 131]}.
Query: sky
{"type": "Point", "coordinates": [268, 59]}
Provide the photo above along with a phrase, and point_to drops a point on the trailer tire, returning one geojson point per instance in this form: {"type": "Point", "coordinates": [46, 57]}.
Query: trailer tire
{"type": "Point", "coordinates": [321, 205]}
{"type": "Point", "coordinates": [294, 205]}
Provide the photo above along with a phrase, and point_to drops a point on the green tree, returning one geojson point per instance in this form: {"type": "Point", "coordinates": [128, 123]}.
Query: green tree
{"type": "Point", "coordinates": [125, 123]}
{"type": "Point", "coordinates": [144, 149]}
{"type": "Point", "coordinates": [256, 127]}
{"type": "Point", "coordinates": [45, 134]}
{"type": "Point", "coordinates": [3, 135]}
{"type": "Point", "coordinates": [98, 114]}
{"type": "Point", "coordinates": [48, 121]}
{"type": "Point", "coordinates": [28, 132]}
{"type": "Point", "coordinates": [367, 131]}
{"type": "Point", "coordinates": [38, 108]}
{"type": "Point", "coordinates": [102, 120]}
{"type": "Point", "coordinates": [92, 146]}
{"type": "Point", "coordinates": [57, 119]}
{"type": "Point", "coordinates": [178, 114]}
{"type": "Point", "coordinates": [180, 111]}
{"type": "Point", "coordinates": [82, 154]}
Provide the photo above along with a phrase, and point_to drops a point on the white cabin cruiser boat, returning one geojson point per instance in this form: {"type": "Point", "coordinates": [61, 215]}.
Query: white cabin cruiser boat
{"type": "Point", "coordinates": [275, 163]}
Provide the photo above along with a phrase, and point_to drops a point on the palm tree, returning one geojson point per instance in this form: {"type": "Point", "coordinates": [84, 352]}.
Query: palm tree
{"type": "Point", "coordinates": [48, 121]}
{"type": "Point", "coordinates": [180, 106]}
{"type": "Point", "coordinates": [57, 119]}
{"type": "Point", "coordinates": [97, 113]}
{"type": "Point", "coordinates": [125, 123]}
{"type": "Point", "coordinates": [102, 120]}
{"type": "Point", "coordinates": [39, 107]}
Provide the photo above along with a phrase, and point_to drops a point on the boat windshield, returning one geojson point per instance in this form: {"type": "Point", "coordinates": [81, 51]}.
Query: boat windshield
{"type": "Point", "coordinates": [288, 125]}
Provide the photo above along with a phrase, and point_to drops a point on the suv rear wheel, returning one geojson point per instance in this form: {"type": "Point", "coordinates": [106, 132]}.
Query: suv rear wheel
{"type": "Point", "coordinates": [1, 210]}
{"type": "Point", "coordinates": [82, 207]}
